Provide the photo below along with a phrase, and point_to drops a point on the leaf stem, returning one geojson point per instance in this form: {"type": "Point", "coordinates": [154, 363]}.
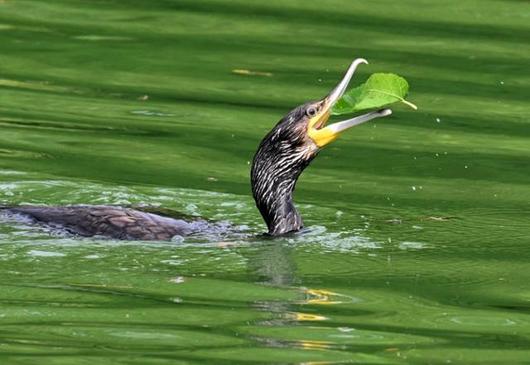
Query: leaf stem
{"type": "Point", "coordinates": [413, 106]}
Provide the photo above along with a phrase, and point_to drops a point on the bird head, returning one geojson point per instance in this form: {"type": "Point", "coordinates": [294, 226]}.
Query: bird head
{"type": "Point", "coordinates": [289, 148]}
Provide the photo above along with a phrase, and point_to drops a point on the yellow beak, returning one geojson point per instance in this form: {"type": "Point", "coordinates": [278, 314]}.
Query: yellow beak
{"type": "Point", "coordinates": [321, 134]}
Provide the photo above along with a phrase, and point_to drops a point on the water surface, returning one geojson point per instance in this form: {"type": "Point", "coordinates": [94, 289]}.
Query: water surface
{"type": "Point", "coordinates": [417, 246]}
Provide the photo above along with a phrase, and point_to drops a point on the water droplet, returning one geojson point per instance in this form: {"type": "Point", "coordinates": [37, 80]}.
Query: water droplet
{"type": "Point", "coordinates": [406, 245]}
{"type": "Point", "coordinates": [177, 280]}
{"type": "Point", "coordinates": [38, 253]}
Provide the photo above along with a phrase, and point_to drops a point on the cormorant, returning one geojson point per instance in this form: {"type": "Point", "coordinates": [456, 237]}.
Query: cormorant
{"type": "Point", "coordinates": [281, 157]}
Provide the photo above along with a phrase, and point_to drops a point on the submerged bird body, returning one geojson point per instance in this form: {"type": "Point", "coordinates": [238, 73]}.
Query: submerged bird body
{"type": "Point", "coordinates": [282, 156]}
{"type": "Point", "coordinates": [109, 221]}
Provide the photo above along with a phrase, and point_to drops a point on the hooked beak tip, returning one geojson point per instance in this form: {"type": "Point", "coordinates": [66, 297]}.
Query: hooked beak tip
{"type": "Point", "coordinates": [339, 90]}
{"type": "Point", "coordinates": [359, 61]}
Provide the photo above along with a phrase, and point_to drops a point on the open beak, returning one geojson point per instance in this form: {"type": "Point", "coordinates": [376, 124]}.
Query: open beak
{"type": "Point", "coordinates": [317, 129]}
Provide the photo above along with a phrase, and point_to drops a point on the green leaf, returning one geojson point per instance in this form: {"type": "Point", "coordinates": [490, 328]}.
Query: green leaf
{"type": "Point", "coordinates": [379, 90]}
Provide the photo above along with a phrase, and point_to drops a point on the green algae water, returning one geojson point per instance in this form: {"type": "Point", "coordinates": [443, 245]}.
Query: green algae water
{"type": "Point", "coordinates": [417, 249]}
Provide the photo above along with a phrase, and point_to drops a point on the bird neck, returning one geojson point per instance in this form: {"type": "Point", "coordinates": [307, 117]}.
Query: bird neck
{"type": "Point", "coordinates": [273, 179]}
{"type": "Point", "coordinates": [278, 211]}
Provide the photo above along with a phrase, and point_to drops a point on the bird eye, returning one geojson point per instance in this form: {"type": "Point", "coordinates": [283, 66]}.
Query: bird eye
{"type": "Point", "coordinates": [311, 111]}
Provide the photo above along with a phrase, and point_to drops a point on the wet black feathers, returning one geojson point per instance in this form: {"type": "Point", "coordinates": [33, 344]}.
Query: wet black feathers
{"type": "Point", "coordinates": [108, 221]}
{"type": "Point", "coordinates": [280, 159]}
